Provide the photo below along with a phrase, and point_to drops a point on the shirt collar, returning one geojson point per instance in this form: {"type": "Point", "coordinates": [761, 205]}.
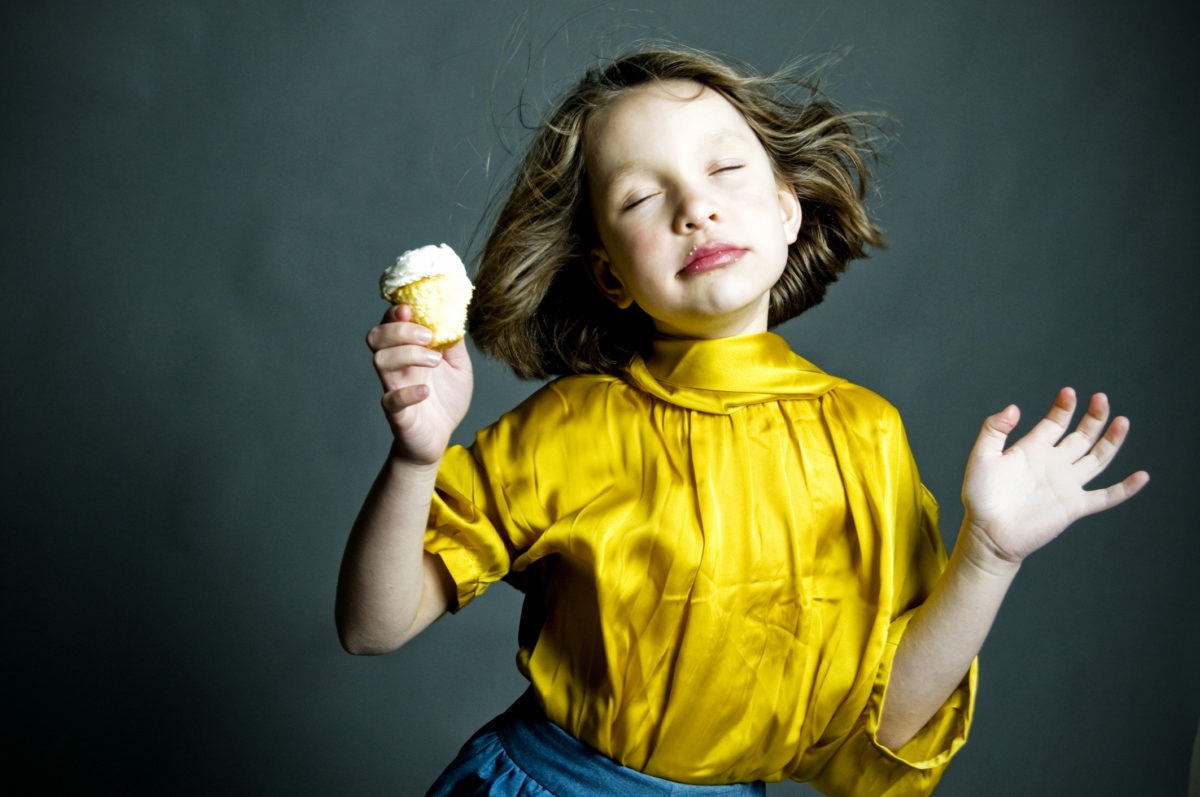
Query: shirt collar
{"type": "Point", "coordinates": [723, 374]}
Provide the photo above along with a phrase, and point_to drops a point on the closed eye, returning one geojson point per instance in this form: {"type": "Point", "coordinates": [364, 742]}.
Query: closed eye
{"type": "Point", "coordinates": [633, 203]}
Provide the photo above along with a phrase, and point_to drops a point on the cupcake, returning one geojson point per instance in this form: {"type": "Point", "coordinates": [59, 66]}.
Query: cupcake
{"type": "Point", "coordinates": [433, 282]}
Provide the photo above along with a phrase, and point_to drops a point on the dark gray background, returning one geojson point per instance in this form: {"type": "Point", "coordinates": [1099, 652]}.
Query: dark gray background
{"type": "Point", "coordinates": [198, 198]}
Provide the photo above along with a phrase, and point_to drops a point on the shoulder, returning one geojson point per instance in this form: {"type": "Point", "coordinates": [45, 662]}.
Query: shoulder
{"type": "Point", "coordinates": [571, 428]}
{"type": "Point", "coordinates": [568, 405]}
{"type": "Point", "coordinates": [869, 423]}
{"type": "Point", "coordinates": [576, 396]}
{"type": "Point", "coordinates": [863, 405]}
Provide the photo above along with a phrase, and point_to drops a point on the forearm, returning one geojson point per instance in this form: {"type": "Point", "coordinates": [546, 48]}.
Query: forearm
{"type": "Point", "coordinates": [1017, 500]}
{"type": "Point", "coordinates": [943, 637]}
{"type": "Point", "coordinates": [382, 597]}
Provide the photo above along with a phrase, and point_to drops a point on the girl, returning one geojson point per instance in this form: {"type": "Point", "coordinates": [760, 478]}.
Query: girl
{"type": "Point", "coordinates": [733, 574]}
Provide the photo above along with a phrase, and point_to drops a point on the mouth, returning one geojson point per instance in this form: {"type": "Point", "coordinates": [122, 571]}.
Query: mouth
{"type": "Point", "coordinates": [710, 256]}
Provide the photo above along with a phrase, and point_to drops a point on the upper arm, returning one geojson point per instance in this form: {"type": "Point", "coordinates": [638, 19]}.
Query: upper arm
{"type": "Point", "coordinates": [438, 595]}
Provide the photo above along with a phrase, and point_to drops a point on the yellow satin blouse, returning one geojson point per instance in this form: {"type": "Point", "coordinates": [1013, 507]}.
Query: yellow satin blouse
{"type": "Point", "coordinates": [720, 551]}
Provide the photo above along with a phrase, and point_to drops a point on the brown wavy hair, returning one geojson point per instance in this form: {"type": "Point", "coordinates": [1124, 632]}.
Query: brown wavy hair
{"type": "Point", "coordinates": [535, 306]}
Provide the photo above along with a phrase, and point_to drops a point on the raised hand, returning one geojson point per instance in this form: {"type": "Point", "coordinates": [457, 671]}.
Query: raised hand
{"type": "Point", "coordinates": [426, 392]}
{"type": "Point", "coordinates": [1020, 498]}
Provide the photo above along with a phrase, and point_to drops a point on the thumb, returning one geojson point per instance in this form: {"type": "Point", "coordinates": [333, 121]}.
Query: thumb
{"type": "Point", "coordinates": [995, 431]}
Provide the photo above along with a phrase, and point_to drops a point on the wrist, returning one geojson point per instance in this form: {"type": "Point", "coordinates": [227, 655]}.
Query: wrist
{"type": "Point", "coordinates": [400, 458]}
{"type": "Point", "coordinates": [977, 549]}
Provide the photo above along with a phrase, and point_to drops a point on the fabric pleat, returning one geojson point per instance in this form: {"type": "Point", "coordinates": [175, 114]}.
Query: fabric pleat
{"type": "Point", "coordinates": [726, 543]}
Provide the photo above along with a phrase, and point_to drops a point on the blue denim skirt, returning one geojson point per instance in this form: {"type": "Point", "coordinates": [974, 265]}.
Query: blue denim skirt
{"type": "Point", "coordinates": [523, 754]}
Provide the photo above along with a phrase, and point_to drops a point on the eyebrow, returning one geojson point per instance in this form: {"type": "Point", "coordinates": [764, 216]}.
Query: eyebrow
{"type": "Point", "coordinates": [717, 139]}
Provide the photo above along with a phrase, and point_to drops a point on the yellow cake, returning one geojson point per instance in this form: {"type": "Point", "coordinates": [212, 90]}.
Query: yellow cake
{"type": "Point", "coordinates": [433, 282]}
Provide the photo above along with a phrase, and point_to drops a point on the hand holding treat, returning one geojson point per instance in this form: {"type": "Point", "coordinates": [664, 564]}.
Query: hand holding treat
{"type": "Point", "coordinates": [433, 282]}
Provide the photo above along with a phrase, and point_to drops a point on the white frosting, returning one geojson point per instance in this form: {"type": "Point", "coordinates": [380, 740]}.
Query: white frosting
{"type": "Point", "coordinates": [416, 264]}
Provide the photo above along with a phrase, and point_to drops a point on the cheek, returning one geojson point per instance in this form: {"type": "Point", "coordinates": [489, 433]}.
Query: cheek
{"type": "Point", "coordinates": [636, 243]}
{"type": "Point", "coordinates": [767, 214]}
{"type": "Point", "coordinates": [645, 242]}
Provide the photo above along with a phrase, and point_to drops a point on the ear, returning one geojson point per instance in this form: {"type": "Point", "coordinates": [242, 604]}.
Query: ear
{"type": "Point", "coordinates": [607, 282]}
{"type": "Point", "coordinates": [789, 211]}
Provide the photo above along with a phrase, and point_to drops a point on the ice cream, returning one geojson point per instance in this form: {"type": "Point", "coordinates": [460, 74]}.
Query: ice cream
{"type": "Point", "coordinates": [433, 282]}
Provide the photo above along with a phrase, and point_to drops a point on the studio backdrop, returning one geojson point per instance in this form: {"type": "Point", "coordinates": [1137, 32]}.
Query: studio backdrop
{"type": "Point", "coordinates": [198, 198]}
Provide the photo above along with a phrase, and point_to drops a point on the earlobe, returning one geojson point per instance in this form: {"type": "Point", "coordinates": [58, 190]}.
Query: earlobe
{"type": "Point", "coordinates": [790, 213]}
{"type": "Point", "coordinates": [600, 268]}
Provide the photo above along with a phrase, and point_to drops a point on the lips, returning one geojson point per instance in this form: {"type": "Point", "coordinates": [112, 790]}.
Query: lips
{"type": "Point", "coordinates": [710, 256]}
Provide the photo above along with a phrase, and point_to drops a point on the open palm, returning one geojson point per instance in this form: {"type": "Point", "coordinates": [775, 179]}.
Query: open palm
{"type": "Point", "coordinates": [1020, 498]}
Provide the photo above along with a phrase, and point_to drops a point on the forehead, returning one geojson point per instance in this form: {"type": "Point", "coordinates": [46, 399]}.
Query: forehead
{"type": "Point", "coordinates": [661, 118]}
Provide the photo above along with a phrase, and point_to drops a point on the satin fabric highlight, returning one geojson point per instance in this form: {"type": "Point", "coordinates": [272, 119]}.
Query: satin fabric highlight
{"type": "Point", "coordinates": [721, 550]}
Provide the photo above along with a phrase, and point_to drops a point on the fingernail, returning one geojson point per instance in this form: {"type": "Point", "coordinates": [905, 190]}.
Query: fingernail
{"type": "Point", "coordinates": [424, 336]}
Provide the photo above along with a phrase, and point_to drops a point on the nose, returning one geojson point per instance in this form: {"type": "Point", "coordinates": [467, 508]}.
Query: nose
{"type": "Point", "coordinates": [696, 209]}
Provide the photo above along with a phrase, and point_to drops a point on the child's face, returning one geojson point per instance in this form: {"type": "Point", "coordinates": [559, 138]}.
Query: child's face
{"type": "Point", "coordinates": [694, 225]}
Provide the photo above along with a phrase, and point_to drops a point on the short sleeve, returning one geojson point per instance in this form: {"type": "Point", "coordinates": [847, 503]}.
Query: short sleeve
{"type": "Point", "coordinates": [943, 734]}
{"type": "Point", "coordinates": [887, 484]}
{"type": "Point", "coordinates": [946, 731]}
{"type": "Point", "coordinates": [495, 498]}
{"type": "Point", "coordinates": [863, 767]}
{"type": "Point", "coordinates": [464, 528]}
